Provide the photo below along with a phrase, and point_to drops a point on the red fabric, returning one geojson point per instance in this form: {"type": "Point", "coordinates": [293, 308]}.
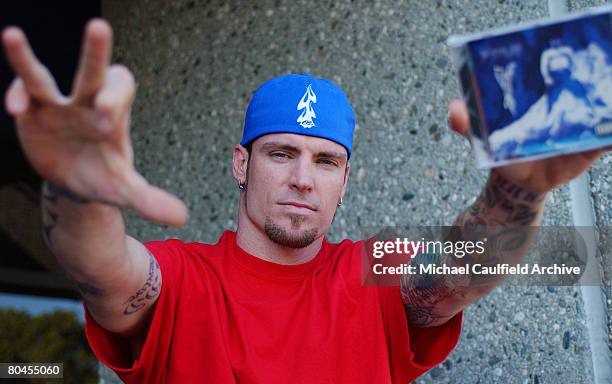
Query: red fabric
{"type": "Point", "coordinates": [224, 316]}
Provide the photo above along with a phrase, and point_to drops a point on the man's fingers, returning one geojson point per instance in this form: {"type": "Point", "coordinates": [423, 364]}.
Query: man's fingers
{"type": "Point", "coordinates": [115, 97]}
{"type": "Point", "coordinates": [37, 79]}
{"type": "Point", "coordinates": [458, 117]}
{"type": "Point", "coordinates": [17, 100]}
{"type": "Point", "coordinates": [157, 205]}
{"type": "Point", "coordinates": [95, 58]}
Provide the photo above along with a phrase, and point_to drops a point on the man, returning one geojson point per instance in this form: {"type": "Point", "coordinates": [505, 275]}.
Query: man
{"type": "Point", "coordinates": [273, 302]}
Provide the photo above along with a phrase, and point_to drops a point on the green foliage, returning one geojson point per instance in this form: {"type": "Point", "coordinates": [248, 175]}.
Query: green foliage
{"type": "Point", "coordinates": [56, 337]}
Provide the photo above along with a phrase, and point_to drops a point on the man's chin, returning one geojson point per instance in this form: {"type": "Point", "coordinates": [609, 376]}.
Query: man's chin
{"type": "Point", "coordinates": [292, 235]}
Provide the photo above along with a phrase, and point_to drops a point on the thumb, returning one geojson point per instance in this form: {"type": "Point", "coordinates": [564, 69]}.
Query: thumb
{"type": "Point", "coordinates": [458, 117]}
{"type": "Point", "coordinates": [155, 204]}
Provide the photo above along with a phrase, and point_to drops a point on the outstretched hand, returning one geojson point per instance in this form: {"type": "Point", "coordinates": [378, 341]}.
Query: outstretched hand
{"type": "Point", "coordinates": [81, 142]}
{"type": "Point", "coordinates": [537, 176]}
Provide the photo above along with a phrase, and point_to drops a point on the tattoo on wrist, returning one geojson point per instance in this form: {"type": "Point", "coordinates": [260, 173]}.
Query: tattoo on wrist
{"type": "Point", "coordinates": [50, 195]}
{"type": "Point", "coordinates": [49, 222]}
{"type": "Point", "coordinates": [515, 191]}
{"type": "Point", "coordinates": [149, 291]}
{"type": "Point", "coordinates": [517, 205]}
{"type": "Point", "coordinates": [52, 192]}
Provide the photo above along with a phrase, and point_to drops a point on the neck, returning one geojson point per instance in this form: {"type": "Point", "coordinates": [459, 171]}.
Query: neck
{"type": "Point", "coordinates": [254, 240]}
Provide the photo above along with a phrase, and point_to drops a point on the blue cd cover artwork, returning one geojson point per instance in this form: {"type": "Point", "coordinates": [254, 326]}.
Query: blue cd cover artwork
{"type": "Point", "coordinates": [542, 90]}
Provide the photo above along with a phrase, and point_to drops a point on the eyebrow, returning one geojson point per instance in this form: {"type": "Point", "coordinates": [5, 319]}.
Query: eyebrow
{"type": "Point", "coordinates": [287, 147]}
{"type": "Point", "coordinates": [277, 145]}
{"type": "Point", "coordinates": [341, 157]}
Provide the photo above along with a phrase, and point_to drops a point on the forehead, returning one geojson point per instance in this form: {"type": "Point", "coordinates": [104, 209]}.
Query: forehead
{"type": "Point", "coordinates": [301, 142]}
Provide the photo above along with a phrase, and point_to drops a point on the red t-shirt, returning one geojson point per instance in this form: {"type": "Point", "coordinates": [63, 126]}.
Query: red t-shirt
{"type": "Point", "coordinates": [225, 316]}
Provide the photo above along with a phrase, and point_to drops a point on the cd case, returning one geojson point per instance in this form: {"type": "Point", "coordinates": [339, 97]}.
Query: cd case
{"type": "Point", "coordinates": [538, 89]}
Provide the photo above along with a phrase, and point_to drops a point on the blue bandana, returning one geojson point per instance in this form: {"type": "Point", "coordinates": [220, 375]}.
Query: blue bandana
{"type": "Point", "coordinates": [300, 104]}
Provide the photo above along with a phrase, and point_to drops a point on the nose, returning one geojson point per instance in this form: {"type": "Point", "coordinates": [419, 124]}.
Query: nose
{"type": "Point", "coordinates": [302, 178]}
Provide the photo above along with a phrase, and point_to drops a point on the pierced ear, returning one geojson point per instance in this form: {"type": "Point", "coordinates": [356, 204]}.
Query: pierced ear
{"type": "Point", "coordinates": [347, 172]}
{"type": "Point", "coordinates": [240, 162]}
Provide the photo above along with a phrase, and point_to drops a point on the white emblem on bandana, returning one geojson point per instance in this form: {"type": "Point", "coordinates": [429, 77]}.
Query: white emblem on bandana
{"type": "Point", "coordinates": [305, 119]}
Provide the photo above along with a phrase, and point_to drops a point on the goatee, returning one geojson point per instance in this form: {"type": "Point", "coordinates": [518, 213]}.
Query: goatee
{"type": "Point", "coordinates": [281, 236]}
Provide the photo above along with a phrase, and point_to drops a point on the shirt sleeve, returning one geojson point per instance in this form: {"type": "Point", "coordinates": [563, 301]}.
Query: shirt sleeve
{"type": "Point", "coordinates": [414, 350]}
{"type": "Point", "coordinates": [113, 350]}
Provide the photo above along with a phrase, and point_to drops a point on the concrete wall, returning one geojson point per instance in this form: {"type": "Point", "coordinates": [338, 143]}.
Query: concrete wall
{"type": "Point", "coordinates": [197, 63]}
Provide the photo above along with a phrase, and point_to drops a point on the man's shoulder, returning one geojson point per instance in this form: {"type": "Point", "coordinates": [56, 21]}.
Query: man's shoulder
{"type": "Point", "coordinates": [188, 261]}
{"type": "Point", "coordinates": [345, 245]}
{"type": "Point", "coordinates": [177, 248]}
{"type": "Point", "coordinates": [345, 252]}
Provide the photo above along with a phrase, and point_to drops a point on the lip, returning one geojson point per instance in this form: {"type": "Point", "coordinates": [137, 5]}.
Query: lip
{"type": "Point", "coordinates": [298, 205]}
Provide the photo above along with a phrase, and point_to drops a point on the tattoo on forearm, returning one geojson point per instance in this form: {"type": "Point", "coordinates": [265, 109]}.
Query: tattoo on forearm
{"type": "Point", "coordinates": [420, 304]}
{"type": "Point", "coordinates": [422, 294]}
{"type": "Point", "coordinates": [149, 291]}
{"type": "Point", "coordinates": [50, 195]}
{"type": "Point", "coordinates": [502, 213]}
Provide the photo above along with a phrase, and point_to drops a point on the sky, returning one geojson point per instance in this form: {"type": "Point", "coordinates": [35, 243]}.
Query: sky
{"type": "Point", "coordinates": [36, 304]}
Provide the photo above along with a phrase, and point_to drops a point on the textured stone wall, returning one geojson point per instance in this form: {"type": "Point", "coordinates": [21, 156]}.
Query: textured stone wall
{"type": "Point", "coordinates": [197, 63]}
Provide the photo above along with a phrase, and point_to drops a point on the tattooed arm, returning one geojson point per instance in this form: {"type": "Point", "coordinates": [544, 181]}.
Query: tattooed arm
{"type": "Point", "coordinates": [81, 143]}
{"type": "Point", "coordinates": [116, 275]}
{"type": "Point", "coordinates": [507, 212]}
{"type": "Point", "coordinates": [504, 213]}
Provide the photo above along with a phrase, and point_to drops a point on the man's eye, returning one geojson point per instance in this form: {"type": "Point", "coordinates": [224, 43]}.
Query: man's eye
{"type": "Point", "coordinates": [328, 162]}
{"type": "Point", "coordinates": [280, 155]}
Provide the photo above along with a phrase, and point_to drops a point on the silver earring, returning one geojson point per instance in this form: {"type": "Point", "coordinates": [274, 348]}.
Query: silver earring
{"type": "Point", "coordinates": [340, 202]}
{"type": "Point", "coordinates": [242, 186]}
